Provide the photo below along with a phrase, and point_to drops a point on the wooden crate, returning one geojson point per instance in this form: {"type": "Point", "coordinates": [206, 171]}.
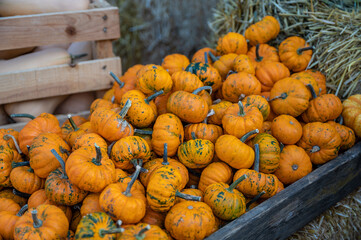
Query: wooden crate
{"type": "Point", "coordinates": [99, 24]}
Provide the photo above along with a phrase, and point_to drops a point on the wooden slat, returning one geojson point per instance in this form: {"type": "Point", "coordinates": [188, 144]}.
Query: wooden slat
{"type": "Point", "coordinates": [61, 27]}
{"type": "Point", "coordinates": [58, 80]}
{"type": "Point", "coordinates": [103, 49]}
{"type": "Point", "coordinates": [301, 202]}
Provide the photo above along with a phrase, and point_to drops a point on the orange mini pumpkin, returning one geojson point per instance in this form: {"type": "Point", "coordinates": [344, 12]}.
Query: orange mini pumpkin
{"type": "Point", "coordinates": [206, 73]}
{"type": "Point", "coordinates": [232, 43]}
{"type": "Point", "coordinates": [175, 62]}
{"type": "Point", "coordinates": [306, 78]}
{"type": "Point", "coordinates": [352, 113]}
{"type": "Point", "coordinates": [199, 56]}
{"type": "Point", "coordinates": [259, 102]}
{"type": "Point", "coordinates": [347, 135]}
{"type": "Point", "coordinates": [219, 107]}
{"type": "Point", "coordinates": [286, 129]}
{"type": "Point", "coordinates": [242, 63]}
{"type": "Point", "coordinates": [262, 53]}
{"type": "Point", "coordinates": [263, 31]}
{"type": "Point", "coordinates": [268, 73]}
{"type": "Point", "coordinates": [185, 81]}
{"type": "Point", "coordinates": [224, 64]}
{"type": "Point", "coordinates": [213, 173]}
{"type": "Point", "coordinates": [239, 85]}
{"type": "Point", "coordinates": [154, 79]}
{"type": "Point", "coordinates": [320, 79]}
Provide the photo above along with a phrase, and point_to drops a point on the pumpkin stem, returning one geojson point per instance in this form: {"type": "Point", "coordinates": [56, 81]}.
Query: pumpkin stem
{"type": "Point", "coordinates": [140, 235]}
{"type": "Point", "coordinates": [139, 162]}
{"type": "Point", "coordinates": [62, 163]}
{"type": "Point", "coordinates": [112, 100]}
{"type": "Point", "coordinates": [145, 132]}
{"type": "Point", "coordinates": [118, 223]}
{"type": "Point", "coordinates": [256, 160]}
{"type": "Point", "coordinates": [130, 184]}
{"type": "Point", "coordinates": [214, 58]}
{"type": "Point", "coordinates": [247, 135]}
{"type": "Point", "coordinates": [258, 57]}
{"type": "Point", "coordinates": [314, 95]}
{"type": "Point", "coordinates": [281, 147]}
{"type": "Point", "coordinates": [19, 164]}
{"type": "Point", "coordinates": [37, 222]}
{"type": "Point", "coordinates": [205, 57]}
{"type": "Point", "coordinates": [125, 109]}
{"type": "Point", "coordinates": [294, 167]}
{"type": "Point", "coordinates": [217, 101]}
{"type": "Point", "coordinates": [110, 147]}
{"type": "Point", "coordinates": [22, 115]}
{"type": "Point", "coordinates": [103, 232]}
{"type": "Point", "coordinates": [7, 136]}
{"type": "Point", "coordinates": [151, 97]}
{"type": "Point", "coordinates": [283, 96]}
{"type": "Point", "coordinates": [21, 194]}
{"type": "Point", "coordinates": [98, 159]}
{"type": "Point", "coordinates": [230, 72]}
{"type": "Point", "coordinates": [254, 199]}
{"type": "Point", "coordinates": [235, 183]}
{"type": "Point", "coordinates": [72, 123]}
{"type": "Point", "coordinates": [22, 210]}
{"type": "Point", "coordinates": [195, 92]}
{"type": "Point", "coordinates": [194, 137]}
{"type": "Point", "coordinates": [315, 149]}
{"type": "Point", "coordinates": [211, 113]}
{"type": "Point", "coordinates": [193, 186]}
{"type": "Point", "coordinates": [340, 120]}
{"type": "Point", "coordinates": [165, 155]}
{"type": "Point", "coordinates": [300, 50]}
{"type": "Point", "coordinates": [241, 109]}
{"type": "Point", "coordinates": [117, 80]}
{"type": "Point", "coordinates": [63, 150]}
{"type": "Point", "coordinates": [187, 196]}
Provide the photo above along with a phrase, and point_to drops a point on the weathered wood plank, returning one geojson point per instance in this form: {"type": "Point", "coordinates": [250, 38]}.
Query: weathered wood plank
{"type": "Point", "coordinates": [301, 202]}
{"type": "Point", "coordinates": [58, 80]}
{"type": "Point", "coordinates": [60, 27]}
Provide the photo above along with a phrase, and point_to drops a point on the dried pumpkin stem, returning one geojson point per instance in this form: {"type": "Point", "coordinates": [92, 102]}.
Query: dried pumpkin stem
{"type": "Point", "coordinates": [140, 235]}
{"type": "Point", "coordinates": [230, 72]}
{"type": "Point", "coordinates": [254, 199]}
{"type": "Point", "coordinates": [214, 58]}
{"type": "Point", "coordinates": [110, 147]}
{"type": "Point", "coordinates": [340, 120]}
{"type": "Point", "coordinates": [20, 164]}
{"type": "Point", "coordinates": [241, 109]}
{"type": "Point", "coordinates": [130, 184]}
{"type": "Point", "coordinates": [281, 147]}
{"type": "Point", "coordinates": [118, 223]}
{"type": "Point", "coordinates": [145, 132]}
{"type": "Point", "coordinates": [117, 80]}
{"type": "Point", "coordinates": [125, 109]}
{"type": "Point", "coordinates": [187, 196]}
{"type": "Point", "coordinates": [165, 155]}
{"type": "Point", "coordinates": [7, 136]}
{"type": "Point", "coordinates": [217, 101]}
{"type": "Point", "coordinates": [193, 186]}
{"type": "Point", "coordinates": [211, 113]}
{"type": "Point", "coordinates": [72, 123]}
{"type": "Point", "coordinates": [205, 57]}
{"type": "Point", "coordinates": [37, 222]}
{"type": "Point", "coordinates": [63, 150]}
{"type": "Point", "coordinates": [313, 93]}
{"type": "Point", "coordinates": [21, 194]}
{"type": "Point", "coordinates": [194, 137]}
{"type": "Point", "coordinates": [22, 210]}
{"type": "Point", "coordinates": [258, 57]}
{"type": "Point", "coordinates": [98, 159]}
{"type": "Point", "coordinates": [103, 232]}
{"type": "Point", "coordinates": [300, 50]}
{"type": "Point", "coordinates": [256, 160]}
{"type": "Point", "coordinates": [315, 149]}
{"type": "Point", "coordinates": [62, 163]}
{"type": "Point", "coordinates": [235, 183]}
{"type": "Point", "coordinates": [247, 135]}
{"type": "Point", "coordinates": [209, 88]}
{"type": "Point", "coordinates": [112, 100]}
{"type": "Point", "coordinates": [151, 97]}
{"type": "Point", "coordinates": [22, 115]}
{"type": "Point", "coordinates": [283, 96]}
{"type": "Point", "coordinates": [294, 167]}
{"type": "Point", "coordinates": [139, 162]}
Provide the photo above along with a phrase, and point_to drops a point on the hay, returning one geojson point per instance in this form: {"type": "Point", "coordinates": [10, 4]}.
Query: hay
{"type": "Point", "coordinates": [332, 27]}
{"type": "Point", "coordinates": [342, 221]}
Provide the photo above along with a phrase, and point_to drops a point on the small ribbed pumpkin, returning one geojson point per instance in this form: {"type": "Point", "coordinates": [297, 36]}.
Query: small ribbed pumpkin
{"type": "Point", "coordinates": [154, 79]}
{"type": "Point", "coordinates": [213, 173]}
{"type": "Point", "coordinates": [352, 113]}
{"type": "Point", "coordinates": [175, 62]}
{"type": "Point", "coordinates": [347, 135]}
{"type": "Point", "coordinates": [263, 31]}
{"type": "Point", "coordinates": [262, 53]}
{"type": "Point", "coordinates": [239, 85]}
{"type": "Point", "coordinates": [286, 129]}
{"type": "Point", "coordinates": [232, 42]}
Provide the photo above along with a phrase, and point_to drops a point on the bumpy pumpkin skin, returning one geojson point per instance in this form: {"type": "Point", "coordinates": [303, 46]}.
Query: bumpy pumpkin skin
{"type": "Point", "coordinates": [225, 64]}
{"type": "Point", "coordinates": [190, 220]}
{"type": "Point", "coordinates": [81, 130]}
{"type": "Point", "coordinates": [102, 103]}
{"type": "Point", "coordinates": [91, 224]}
{"type": "Point", "coordinates": [90, 204]}
{"type": "Point", "coordinates": [219, 110]}
{"type": "Point", "coordinates": [286, 129]}
{"type": "Point", "coordinates": [347, 135]}
{"type": "Point", "coordinates": [175, 62]}
{"type": "Point", "coordinates": [289, 55]}
{"type": "Point", "coordinates": [294, 164]}
{"type": "Point", "coordinates": [240, 84]}
{"type": "Point", "coordinates": [266, 53]}
{"type": "Point", "coordinates": [231, 43]}
{"type": "Point", "coordinates": [25, 180]}
{"type": "Point", "coordinates": [196, 110]}
{"type": "Point", "coordinates": [242, 63]}
{"type": "Point", "coordinates": [352, 113]}
{"type": "Point", "coordinates": [153, 80]}
{"type": "Point", "coordinates": [185, 81]}
{"type": "Point", "coordinates": [161, 103]}
{"type": "Point", "coordinates": [234, 152]}
{"type": "Point", "coordinates": [205, 131]}
{"type": "Point", "coordinates": [320, 79]}
{"type": "Point", "coordinates": [7, 222]}
{"type": "Point", "coordinates": [9, 205]}
{"type": "Point", "coordinates": [154, 232]}
{"type": "Point", "coordinates": [269, 152]}
{"type": "Point", "coordinates": [41, 159]}
{"type": "Point", "coordinates": [207, 74]}
{"type": "Point", "coordinates": [266, 128]}
{"type": "Point", "coordinates": [8, 193]}
{"type": "Point", "coordinates": [259, 102]}
{"type": "Point", "coordinates": [7, 156]}
{"type": "Point", "coordinates": [8, 141]}
{"type": "Point", "coordinates": [323, 108]}
{"type": "Point", "coordinates": [325, 137]}
{"type": "Point", "coordinates": [88, 140]}
{"type": "Point", "coordinates": [55, 224]}
{"type": "Point", "coordinates": [168, 129]}
{"type": "Point", "coordinates": [263, 31]}
{"type": "Point", "coordinates": [226, 205]}
{"type": "Point", "coordinates": [307, 78]}
{"type": "Point", "coordinates": [293, 97]}
{"type": "Point", "coordinates": [213, 173]}
{"type": "Point", "coordinates": [268, 73]}
{"type": "Point", "coordinates": [199, 55]}
{"type": "Point", "coordinates": [197, 153]}
{"type": "Point", "coordinates": [128, 148]}
{"type": "Point", "coordinates": [44, 123]}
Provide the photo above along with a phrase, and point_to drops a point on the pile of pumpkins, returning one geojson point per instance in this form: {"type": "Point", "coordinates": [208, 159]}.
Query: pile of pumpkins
{"type": "Point", "coordinates": [177, 150]}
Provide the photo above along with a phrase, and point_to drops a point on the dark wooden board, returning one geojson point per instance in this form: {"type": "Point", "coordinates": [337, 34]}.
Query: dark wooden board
{"type": "Point", "coordinates": [299, 203]}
